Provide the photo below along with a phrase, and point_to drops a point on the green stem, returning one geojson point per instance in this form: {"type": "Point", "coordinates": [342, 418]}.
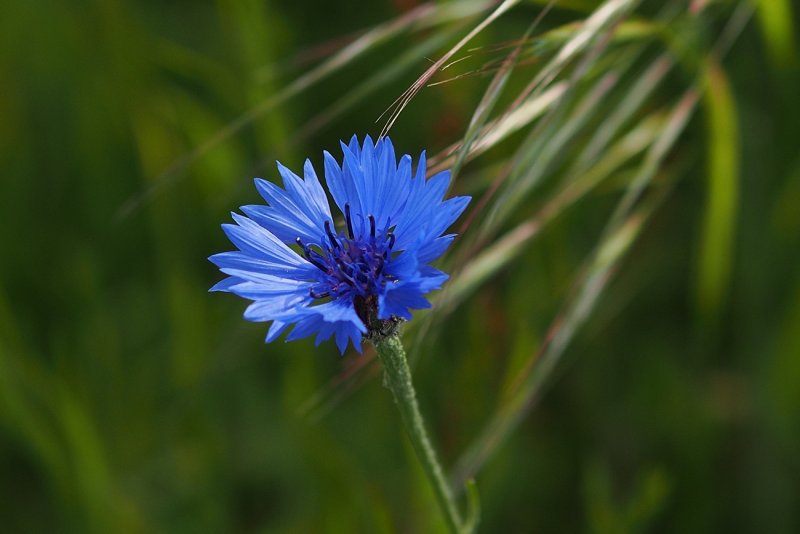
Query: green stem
{"type": "Point", "coordinates": [398, 380]}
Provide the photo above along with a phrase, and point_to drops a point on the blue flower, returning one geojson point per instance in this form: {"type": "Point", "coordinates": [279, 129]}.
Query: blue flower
{"type": "Point", "coordinates": [360, 278]}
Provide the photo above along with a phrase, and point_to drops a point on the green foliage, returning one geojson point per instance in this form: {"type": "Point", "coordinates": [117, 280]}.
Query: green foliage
{"type": "Point", "coordinates": [617, 349]}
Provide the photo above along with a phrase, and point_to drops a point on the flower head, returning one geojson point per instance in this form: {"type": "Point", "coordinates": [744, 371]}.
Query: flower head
{"type": "Point", "coordinates": [360, 277]}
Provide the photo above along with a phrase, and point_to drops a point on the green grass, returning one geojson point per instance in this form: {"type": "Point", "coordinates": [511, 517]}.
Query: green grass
{"type": "Point", "coordinates": [616, 351]}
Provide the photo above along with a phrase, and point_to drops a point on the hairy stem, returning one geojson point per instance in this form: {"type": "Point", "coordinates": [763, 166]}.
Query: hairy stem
{"type": "Point", "coordinates": [398, 380]}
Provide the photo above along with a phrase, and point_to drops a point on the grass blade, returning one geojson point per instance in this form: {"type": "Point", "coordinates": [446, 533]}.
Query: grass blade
{"type": "Point", "coordinates": [348, 54]}
{"type": "Point", "coordinates": [600, 268]}
{"type": "Point", "coordinates": [717, 240]}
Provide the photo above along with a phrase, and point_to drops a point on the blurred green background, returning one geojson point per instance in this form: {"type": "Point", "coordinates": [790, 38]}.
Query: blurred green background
{"type": "Point", "coordinates": [619, 350]}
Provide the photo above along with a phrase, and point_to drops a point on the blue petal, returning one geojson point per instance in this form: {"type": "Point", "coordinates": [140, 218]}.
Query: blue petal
{"type": "Point", "coordinates": [287, 210]}
{"type": "Point", "coordinates": [252, 291]}
{"type": "Point", "coordinates": [307, 195]}
{"type": "Point", "coordinates": [340, 315]}
{"type": "Point", "coordinates": [423, 204]}
{"type": "Point", "coordinates": [338, 311]}
{"type": "Point", "coordinates": [315, 190]}
{"type": "Point", "coordinates": [304, 327]}
{"type": "Point", "coordinates": [358, 194]}
{"type": "Point", "coordinates": [393, 197]}
{"type": "Point", "coordinates": [397, 300]}
{"type": "Point", "coordinates": [326, 330]}
{"type": "Point", "coordinates": [265, 283]}
{"type": "Point", "coordinates": [345, 332]}
{"type": "Point", "coordinates": [446, 214]}
{"type": "Point", "coordinates": [287, 229]}
{"type": "Point", "coordinates": [225, 284]}
{"type": "Point", "coordinates": [354, 146]}
{"type": "Point", "coordinates": [384, 154]}
{"type": "Point", "coordinates": [431, 278]}
{"type": "Point", "coordinates": [275, 330]}
{"type": "Point", "coordinates": [240, 260]}
{"type": "Point", "coordinates": [343, 191]}
{"type": "Point", "coordinates": [387, 183]}
{"type": "Point", "coordinates": [435, 248]}
{"type": "Point", "coordinates": [369, 178]}
{"type": "Point", "coordinates": [251, 238]}
{"type": "Point", "coordinates": [273, 308]}
{"type": "Point", "coordinates": [403, 266]}
{"type": "Point", "coordinates": [422, 167]}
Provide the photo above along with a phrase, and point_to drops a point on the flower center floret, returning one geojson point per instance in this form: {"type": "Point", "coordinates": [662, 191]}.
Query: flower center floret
{"type": "Point", "coordinates": [353, 266]}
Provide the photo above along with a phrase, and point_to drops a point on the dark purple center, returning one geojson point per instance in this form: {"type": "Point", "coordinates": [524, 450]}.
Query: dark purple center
{"type": "Point", "coordinates": [352, 266]}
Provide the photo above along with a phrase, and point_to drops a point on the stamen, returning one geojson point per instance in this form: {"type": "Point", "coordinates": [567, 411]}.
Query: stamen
{"type": "Point", "coordinates": [309, 255]}
{"type": "Point", "coordinates": [388, 248]}
{"type": "Point", "coordinates": [331, 237]}
{"type": "Point", "coordinates": [346, 278]}
{"type": "Point", "coordinates": [342, 267]}
{"type": "Point", "coordinates": [348, 220]}
{"type": "Point", "coordinates": [315, 295]}
{"type": "Point", "coordinates": [353, 266]}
